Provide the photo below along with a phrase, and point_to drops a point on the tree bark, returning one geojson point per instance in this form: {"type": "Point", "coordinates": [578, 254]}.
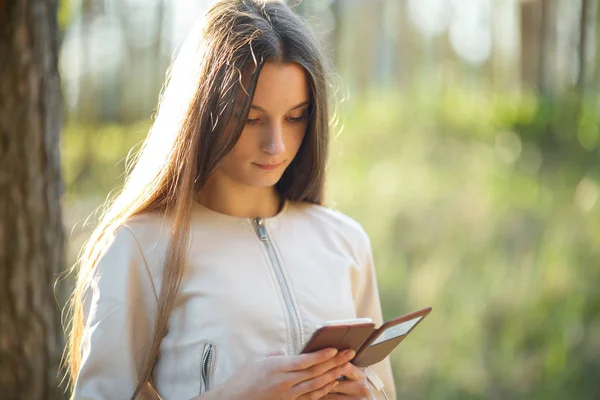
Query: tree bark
{"type": "Point", "coordinates": [31, 231]}
{"type": "Point", "coordinates": [582, 50]}
{"type": "Point", "coordinates": [547, 61]}
{"type": "Point", "coordinates": [531, 40]}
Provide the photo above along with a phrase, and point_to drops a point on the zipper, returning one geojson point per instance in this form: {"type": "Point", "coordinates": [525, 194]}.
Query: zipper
{"type": "Point", "coordinates": [293, 314]}
{"type": "Point", "coordinates": [208, 366]}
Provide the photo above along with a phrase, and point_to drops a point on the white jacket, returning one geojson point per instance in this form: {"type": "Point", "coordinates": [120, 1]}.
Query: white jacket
{"type": "Point", "coordinates": [250, 287]}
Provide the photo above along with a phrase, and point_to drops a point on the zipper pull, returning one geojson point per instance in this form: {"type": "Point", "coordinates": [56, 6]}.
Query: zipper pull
{"type": "Point", "coordinates": [260, 229]}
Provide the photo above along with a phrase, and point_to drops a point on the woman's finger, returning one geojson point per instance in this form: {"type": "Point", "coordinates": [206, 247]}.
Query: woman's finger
{"type": "Point", "coordinates": [320, 393]}
{"type": "Point", "coordinates": [319, 369]}
{"type": "Point", "coordinates": [335, 396]}
{"type": "Point", "coordinates": [285, 363]}
{"type": "Point", "coordinates": [354, 389]}
{"type": "Point", "coordinates": [305, 361]}
{"type": "Point", "coordinates": [310, 385]}
{"type": "Point", "coordinates": [354, 373]}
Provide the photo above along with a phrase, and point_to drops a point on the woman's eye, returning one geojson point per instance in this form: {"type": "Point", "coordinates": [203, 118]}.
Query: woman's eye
{"type": "Point", "coordinates": [252, 121]}
{"type": "Point", "coordinates": [301, 118]}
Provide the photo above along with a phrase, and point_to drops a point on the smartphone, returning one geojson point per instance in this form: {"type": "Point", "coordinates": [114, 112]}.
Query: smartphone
{"type": "Point", "coordinates": [340, 334]}
{"type": "Point", "coordinates": [385, 339]}
{"type": "Point", "coordinates": [371, 345]}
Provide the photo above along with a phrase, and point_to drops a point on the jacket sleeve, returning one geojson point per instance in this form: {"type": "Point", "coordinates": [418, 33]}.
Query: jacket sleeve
{"type": "Point", "coordinates": [119, 306]}
{"type": "Point", "coordinates": [366, 299]}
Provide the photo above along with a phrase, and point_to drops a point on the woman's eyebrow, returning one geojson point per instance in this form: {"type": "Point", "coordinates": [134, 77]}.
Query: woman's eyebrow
{"type": "Point", "coordinates": [259, 108]}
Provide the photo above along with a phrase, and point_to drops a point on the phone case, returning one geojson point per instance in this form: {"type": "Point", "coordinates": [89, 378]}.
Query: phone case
{"type": "Point", "coordinates": [341, 337]}
{"type": "Point", "coordinates": [385, 339]}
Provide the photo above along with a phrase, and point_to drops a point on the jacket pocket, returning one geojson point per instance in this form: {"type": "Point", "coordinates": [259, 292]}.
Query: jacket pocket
{"type": "Point", "coordinates": [207, 367]}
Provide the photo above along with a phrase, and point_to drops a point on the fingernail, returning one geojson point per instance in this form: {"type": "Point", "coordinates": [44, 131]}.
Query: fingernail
{"type": "Point", "coordinates": [331, 352]}
{"type": "Point", "coordinates": [349, 353]}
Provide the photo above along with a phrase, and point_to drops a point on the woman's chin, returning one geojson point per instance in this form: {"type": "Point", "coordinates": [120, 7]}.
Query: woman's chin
{"type": "Point", "coordinates": [265, 183]}
{"type": "Point", "coordinates": [266, 180]}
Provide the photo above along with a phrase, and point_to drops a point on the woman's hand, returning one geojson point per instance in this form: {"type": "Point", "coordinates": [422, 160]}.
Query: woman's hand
{"type": "Point", "coordinates": [355, 386]}
{"type": "Point", "coordinates": [300, 377]}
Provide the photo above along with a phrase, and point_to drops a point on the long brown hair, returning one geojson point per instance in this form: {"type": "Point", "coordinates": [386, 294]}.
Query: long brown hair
{"type": "Point", "coordinates": [218, 64]}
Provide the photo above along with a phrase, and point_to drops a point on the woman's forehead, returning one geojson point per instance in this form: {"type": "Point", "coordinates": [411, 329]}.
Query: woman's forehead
{"type": "Point", "coordinates": [281, 87]}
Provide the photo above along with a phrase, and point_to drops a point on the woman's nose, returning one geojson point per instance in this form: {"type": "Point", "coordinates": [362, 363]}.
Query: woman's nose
{"type": "Point", "coordinates": [273, 142]}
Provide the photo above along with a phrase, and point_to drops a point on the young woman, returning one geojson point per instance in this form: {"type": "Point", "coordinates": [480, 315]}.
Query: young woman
{"type": "Point", "coordinates": [213, 266]}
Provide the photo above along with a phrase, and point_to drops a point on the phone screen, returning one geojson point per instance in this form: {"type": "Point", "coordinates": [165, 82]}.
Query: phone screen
{"type": "Point", "coordinates": [397, 330]}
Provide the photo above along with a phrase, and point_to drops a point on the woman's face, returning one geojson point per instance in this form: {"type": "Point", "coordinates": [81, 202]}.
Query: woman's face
{"type": "Point", "coordinates": [274, 129]}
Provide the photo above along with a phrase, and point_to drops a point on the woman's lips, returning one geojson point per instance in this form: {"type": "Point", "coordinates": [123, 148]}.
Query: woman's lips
{"type": "Point", "coordinates": [268, 167]}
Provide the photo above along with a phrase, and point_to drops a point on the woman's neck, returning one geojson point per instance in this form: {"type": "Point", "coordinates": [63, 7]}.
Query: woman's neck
{"type": "Point", "coordinates": [226, 197]}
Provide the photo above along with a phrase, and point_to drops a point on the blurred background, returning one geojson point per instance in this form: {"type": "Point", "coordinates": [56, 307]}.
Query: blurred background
{"type": "Point", "coordinates": [468, 148]}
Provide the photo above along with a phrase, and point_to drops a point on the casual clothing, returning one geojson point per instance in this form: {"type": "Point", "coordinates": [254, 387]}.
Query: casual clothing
{"type": "Point", "coordinates": [250, 287]}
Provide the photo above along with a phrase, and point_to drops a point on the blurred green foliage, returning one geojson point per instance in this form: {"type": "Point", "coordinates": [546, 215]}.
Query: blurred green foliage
{"type": "Point", "coordinates": [484, 206]}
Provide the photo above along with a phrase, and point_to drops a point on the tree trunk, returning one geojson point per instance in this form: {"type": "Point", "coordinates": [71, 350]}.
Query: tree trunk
{"type": "Point", "coordinates": [367, 31]}
{"type": "Point", "coordinates": [531, 40]}
{"type": "Point", "coordinates": [337, 34]}
{"type": "Point", "coordinates": [582, 50]}
{"type": "Point", "coordinates": [547, 62]}
{"type": "Point", "coordinates": [31, 232]}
